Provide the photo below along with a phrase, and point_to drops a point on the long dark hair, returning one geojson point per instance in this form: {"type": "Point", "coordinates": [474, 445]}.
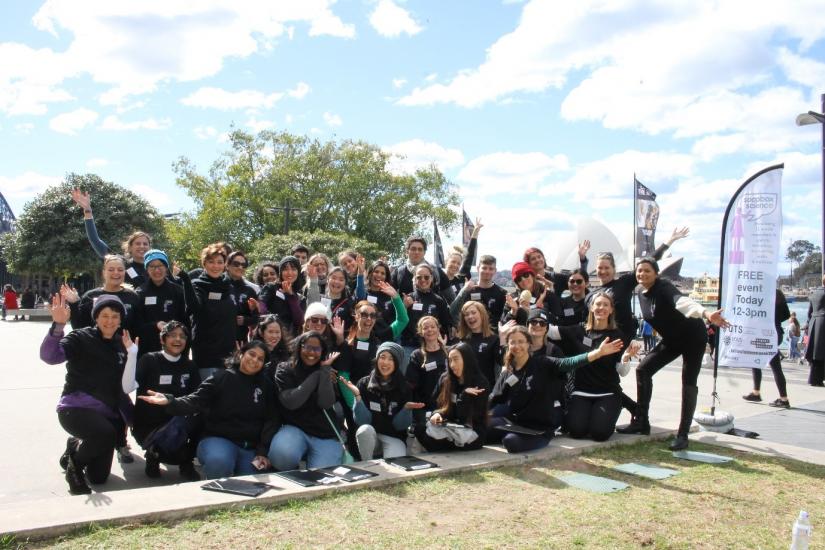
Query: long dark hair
{"type": "Point", "coordinates": [471, 377]}
{"type": "Point", "coordinates": [299, 342]}
{"type": "Point", "coordinates": [281, 349]}
{"type": "Point", "coordinates": [234, 360]}
{"type": "Point", "coordinates": [397, 379]}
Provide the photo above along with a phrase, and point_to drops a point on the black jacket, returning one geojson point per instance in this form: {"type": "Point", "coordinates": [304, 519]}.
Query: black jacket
{"type": "Point", "coordinates": [237, 407]}
{"type": "Point", "coordinates": [308, 416]}
{"type": "Point", "coordinates": [94, 365]}
{"type": "Point", "coordinates": [241, 291]}
{"type": "Point", "coordinates": [155, 372]}
{"type": "Point", "coordinates": [210, 304]}
{"type": "Point", "coordinates": [155, 304]}
{"type": "Point", "coordinates": [426, 303]}
{"type": "Point", "coordinates": [384, 404]}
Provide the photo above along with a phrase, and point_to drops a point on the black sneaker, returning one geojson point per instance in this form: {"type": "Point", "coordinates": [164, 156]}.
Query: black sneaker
{"type": "Point", "coordinates": [76, 479]}
{"type": "Point", "coordinates": [152, 468]}
{"type": "Point", "coordinates": [779, 403]}
{"type": "Point", "coordinates": [679, 443]}
{"type": "Point", "coordinates": [188, 472]}
{"type": "Point", "coordinates": [636, 426]}
{"type": "Point", "coordinates": [71, 446]}
{"type": "Point", "coordinates": [124, 456]}
{"type": "Point", "coordinates": [752, 397]}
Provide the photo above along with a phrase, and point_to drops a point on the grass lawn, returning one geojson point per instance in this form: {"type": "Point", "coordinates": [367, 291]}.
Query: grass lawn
{"type": "Point", "coordinates": [749, 503]}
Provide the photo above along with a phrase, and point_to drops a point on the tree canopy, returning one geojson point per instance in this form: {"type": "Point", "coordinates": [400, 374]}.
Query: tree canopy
{"type": "Point", "coordinates": [51, 238]}
{"type": "Point", "coordinates": [806, 256]}
{"type": "Point", "coordinates": [341, 188]}
{"type": "Point", "coordinates": [274, 247]}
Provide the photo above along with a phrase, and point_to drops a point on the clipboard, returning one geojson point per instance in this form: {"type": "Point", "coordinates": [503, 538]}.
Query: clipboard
{"type": "Point", "coordinates": [348, 473]}
{"type": "Point", "coordinates": [410, 463]}
{"type": "Point", "coordinates": [308, 478]}
{"type": "Point", "coordinates": [238, 487]}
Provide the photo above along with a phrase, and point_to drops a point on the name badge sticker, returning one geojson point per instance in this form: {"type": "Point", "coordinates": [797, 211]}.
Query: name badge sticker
{"type": "Point", "coordinates": [475, 296]}
{"type": "Point", "coordinates": [362, 345]}
{"type": "Point", "coordinates": [165, 379]}
{"type": "Point", "coordinates": [418, 306]}
{"type": "Point", "coordinates": [215, 295]}
{"type": "Point", "coordinates": [587, 341]}
{"type": "Point", "coordinates": [432, 365]}
{"type": "Point", "coordinates": [374, 406]}
{"type": "Point", "coordinates": [569, 312]}
{"type": "Point", "coordinates": [150, 300]}
{"type": "Point", "coordinates": [132, 273]}
{"type": "Point", "coordinates": [280, 295]}
{"type": "Point", "coordinates": [511, 380]}
{"type": "Point", "coordinates": [326, 301]}
{"type": "Point", "coordinates": [372, 299]}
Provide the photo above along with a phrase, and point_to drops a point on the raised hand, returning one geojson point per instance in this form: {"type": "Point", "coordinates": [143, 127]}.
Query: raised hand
{"type": "Point", "coordinates": [312, 271]}
{"type": "Point", "coordinates": [154, 398]}
{"type": "Point", "coordinates": [469, 285]}
{"type": "Point", "coordinates": [678, 234]}
{"type": "Point", "coordinates": [59, 310]}
{"type": "Point", "coordinates": [362, 264]}
{"type": "Point", "coordinates": [337, 327]}
{"type": "Point", "coordinates": [477, 228]}
{"type": "Point", "coordinates": [350, 386]}
{"type": "Point", "coordinates": [475, 392]}
{"type": "Point", "coordinates": [69, 294]}
{"type": "Point", "coordinates": [388, 289]}
{"type": "Point", "coordinates": [408, 301]}
{"type": "Point", "coordinates": [330, 359]}
{"type": "Point", "coordinates": [584, 246]}
{"type": "Point", "coordinates": [82, 199]}
{"type": "Point", "coordinates": [127, 340]}
{"type": "Point", "coordinates": [253, 304]}
{"type": "Point", "coordinates": [286, 286]}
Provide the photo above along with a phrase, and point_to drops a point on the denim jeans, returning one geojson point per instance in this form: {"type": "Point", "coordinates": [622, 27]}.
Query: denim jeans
{"type": "Point", "coordinates": [222, 458]}
{"type": "Point", "coordinates": [291, 444]}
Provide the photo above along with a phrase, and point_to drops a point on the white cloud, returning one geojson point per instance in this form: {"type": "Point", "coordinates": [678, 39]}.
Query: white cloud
{"type": "Point", "coordinates": [681, 67]}
{"type": "Point", "coordinates": [113, 122]}
{"type": "Point", "coordinates": [72, 122]}
{"type": "Point", "coordinates": [259, 125]}
{"type": "Point", "coordinates": [300, 91]}
{"type": "Point", "coordinates": [158, 199]}
{"type": "Point", "coordinates": [205, 132]}
{"type": "Point", "coordinates": [24, 127]}
{"type": "Point", "coordinates": [391, 20]}
{"type": "Point", "coordinates": [398, 82]}
{"type": "Point", "coordinates": [18, 189]}
{"type": "Point", "coordinates": [216, 98]}
{"type": "Point", "coordinates": [136, 47]}
{"type": "Point", "coordinates": [411, 155]}
{"type": "Point", "coordinates": [96, 163]}
{"type": "Point", "coordinates": [332, 120]}
{"type": "Point", "coordinates": [509, 173]}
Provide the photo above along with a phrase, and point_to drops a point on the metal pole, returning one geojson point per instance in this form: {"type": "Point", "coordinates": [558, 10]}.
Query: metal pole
{"type": "Point", "coordinates": [822, 124]}
{"type": "Point", "coordinates": [287, 211]}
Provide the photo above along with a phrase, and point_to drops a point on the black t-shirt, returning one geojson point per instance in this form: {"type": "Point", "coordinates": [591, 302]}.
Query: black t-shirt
{"type": "Point", "coordinates": [659, 309]}
{"type": "Point", "coordinates": [155, 372]}
{"type": "Point", "coordinates": [597, 377]}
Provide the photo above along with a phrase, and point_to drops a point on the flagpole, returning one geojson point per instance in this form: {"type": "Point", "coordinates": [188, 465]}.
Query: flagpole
{"type": "Point", "coordinates": [635, 232]}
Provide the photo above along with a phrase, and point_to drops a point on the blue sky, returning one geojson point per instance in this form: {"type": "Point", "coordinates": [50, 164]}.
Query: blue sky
{"type": "Point", "coordinates": [540, 112]}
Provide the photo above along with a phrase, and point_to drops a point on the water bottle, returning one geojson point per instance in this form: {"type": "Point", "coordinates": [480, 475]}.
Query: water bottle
{"type": "Point", "coordinates": [801, 532]}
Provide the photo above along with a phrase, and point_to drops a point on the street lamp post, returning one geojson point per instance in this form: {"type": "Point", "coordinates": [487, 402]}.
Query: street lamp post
{"type": "Point", "coordinates": [287, 209]}
{"type": "Point", "coordinates": [818, 118]}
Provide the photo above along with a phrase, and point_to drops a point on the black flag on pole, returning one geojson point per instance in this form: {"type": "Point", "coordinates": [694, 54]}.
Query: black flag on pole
{"type": "Point", "coordinates": [438, 249]}
{"type": "Point", "coordinates": [647, 216]}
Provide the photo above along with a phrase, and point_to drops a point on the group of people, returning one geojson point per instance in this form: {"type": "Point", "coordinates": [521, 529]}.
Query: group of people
{"type": "Point", "coordinates": [314, 362]}
{"type": "Point", "coordinates": [12, 302]}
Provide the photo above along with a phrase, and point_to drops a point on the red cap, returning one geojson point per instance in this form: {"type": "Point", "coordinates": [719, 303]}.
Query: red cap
{"type": "Point", "coordinates": [520, 269]}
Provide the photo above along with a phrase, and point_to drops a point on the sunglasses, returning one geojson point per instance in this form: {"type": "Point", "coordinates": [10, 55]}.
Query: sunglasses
{"type": "Point", "coordinates": [576, 281]}
{"type": "Point", "coordinates": [319, 320]}
{"type": "Point", "coordinates": [368, 314]}
{"type": "Point", "coordinates": [239, 264]}
{"type": "Point", "coordinates": [312, 349]}
{"type": "Point", "coordinates": [522, 277]}
{"type": "Point", "coordinates": [538, 322]}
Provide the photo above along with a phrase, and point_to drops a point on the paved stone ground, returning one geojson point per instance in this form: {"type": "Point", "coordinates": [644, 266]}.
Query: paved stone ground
{"type": "Point", "coordinates": [33, 440]}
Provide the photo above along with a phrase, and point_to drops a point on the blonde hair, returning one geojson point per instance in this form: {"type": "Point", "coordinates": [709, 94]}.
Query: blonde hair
{"type": "Point", "coordinates": [420, 327]}
{"type": "Point", "coordinates": [611, 319]}
{"type": "Point", "coordinates": [464, 330]}
{"type": "Point", "coordinates": [518, 329]}
{"type": "Point", "coordinates": [127, 244]}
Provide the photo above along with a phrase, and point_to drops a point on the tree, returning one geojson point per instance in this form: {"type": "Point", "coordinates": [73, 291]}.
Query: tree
{"type": "Point", "coordinates": [798, 251]}
{"type": "Point", "coordinates": [811, 264]}
{"type": "Point", "coordinates": [344, 187]}
{"type": "Point", "coordinates": [274, 247]}
{"type": "Point", "coordinates": [50, 237]}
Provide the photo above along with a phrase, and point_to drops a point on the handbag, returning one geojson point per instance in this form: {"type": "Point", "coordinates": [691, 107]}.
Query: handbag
{"type": "Point", "coordinates": [346, 457]}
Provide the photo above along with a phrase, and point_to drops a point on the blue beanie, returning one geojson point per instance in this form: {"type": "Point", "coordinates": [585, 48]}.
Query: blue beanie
{"type": "Point", "coordinates": [155, 254]}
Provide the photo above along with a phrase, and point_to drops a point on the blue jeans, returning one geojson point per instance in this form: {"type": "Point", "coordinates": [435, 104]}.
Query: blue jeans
{"type": "Point", "coordinates": [222, 458]}
{"type": "Point", "coordinates": [291, 444]}
{"type": "Point", "coordinates": [794, 347]}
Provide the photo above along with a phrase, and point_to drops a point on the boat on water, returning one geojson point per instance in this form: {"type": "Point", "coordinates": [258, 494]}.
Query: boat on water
{"type": "Point", "coordinates": [705, 290]}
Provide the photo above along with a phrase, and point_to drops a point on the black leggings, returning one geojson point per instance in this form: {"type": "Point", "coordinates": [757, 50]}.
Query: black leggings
{"type": "Point", "coordinates": [98, 437]}
{"type": "Point", "coordinates": [778, 376]}
{"type": "Point", "coordinates": [593, 417]}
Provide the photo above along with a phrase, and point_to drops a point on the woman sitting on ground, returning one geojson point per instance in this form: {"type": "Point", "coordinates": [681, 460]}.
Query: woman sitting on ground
{"type": "Point", "coordinates": [595, 403]}
{"type": "Point", "coordinates": [272, 332]}
{"type": "Point", "coordinates": [530, 390]}
{"type": "Point", "coordinates": [306, 392]}
{"type": "Point", "coordinates": [240, 414]}
{"type": "Point", "coordinates": [460, 418]}
{"type": "Point", "coordinates": [382, 409]}
{"type": "Point", "coordinates": [167, 439]}
{"type": "Point", "coordinates": [100, 373]}
{"type": "Point", "coordinates": [426, 365]}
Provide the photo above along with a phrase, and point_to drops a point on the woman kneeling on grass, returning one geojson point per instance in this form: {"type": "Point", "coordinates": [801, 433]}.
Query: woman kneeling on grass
{"type": "Point", "coordinates": [529, 392]}
{"type": "Point", "coordinates": [460, 418]}
{"type": "Point", "coordinates": [382, 408]}
{"type": "Point", "coordinates": [240, 414]}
